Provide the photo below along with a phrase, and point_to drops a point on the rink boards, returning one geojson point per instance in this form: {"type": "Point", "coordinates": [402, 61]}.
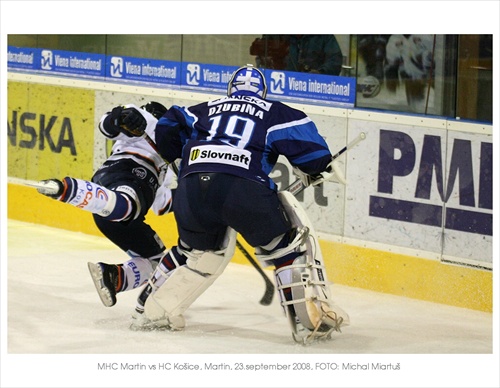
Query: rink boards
{"type": "Point", "coordinates": [415, 218]}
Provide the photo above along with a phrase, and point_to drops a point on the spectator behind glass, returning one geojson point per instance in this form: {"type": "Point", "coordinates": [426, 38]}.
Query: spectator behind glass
{"type": "Point", "coordinates": [270, 51]}
{"type": "Point", "coordinates": [314, 54]}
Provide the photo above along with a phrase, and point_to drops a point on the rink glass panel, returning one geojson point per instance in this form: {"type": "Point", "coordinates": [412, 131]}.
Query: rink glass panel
{"type": "Point", "coordinates": [434, 75]}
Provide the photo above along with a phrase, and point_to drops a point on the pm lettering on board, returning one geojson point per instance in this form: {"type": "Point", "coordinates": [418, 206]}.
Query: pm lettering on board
{"type": "Point", "coordinates": [463, 174]}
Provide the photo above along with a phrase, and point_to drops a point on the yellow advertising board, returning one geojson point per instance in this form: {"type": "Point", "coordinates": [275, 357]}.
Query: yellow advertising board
{"type": "Point", "coordinates": [50, 131]}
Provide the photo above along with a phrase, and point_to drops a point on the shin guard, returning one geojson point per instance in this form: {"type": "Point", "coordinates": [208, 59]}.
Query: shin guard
{"type": "Point", "coordinates": [97, 199]}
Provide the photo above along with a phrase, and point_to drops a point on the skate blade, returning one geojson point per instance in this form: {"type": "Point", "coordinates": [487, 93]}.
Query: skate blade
{"type": "Point", "coordinates": [103, 292]}
{"type": "Point", "coordinates": [48, 187]}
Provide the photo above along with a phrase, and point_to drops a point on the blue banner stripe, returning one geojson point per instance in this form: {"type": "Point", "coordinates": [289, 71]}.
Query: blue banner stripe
{"type": "Point", "coordinates": [469, 221]}
{"type": "Point", "coordinates": [330, 90]}
{"type": "Point", "coordinates": [400, 210]}
{"type": "Point", "coordinates": [426, 214]}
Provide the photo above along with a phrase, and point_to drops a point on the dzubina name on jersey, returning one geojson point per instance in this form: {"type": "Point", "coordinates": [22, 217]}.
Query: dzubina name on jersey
{"type": "Point", "coordinates": [250, 105]}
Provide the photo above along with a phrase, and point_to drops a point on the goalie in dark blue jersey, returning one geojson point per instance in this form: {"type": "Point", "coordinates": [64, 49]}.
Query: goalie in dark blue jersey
{"type": "Point", "coordinates": [228, 148]}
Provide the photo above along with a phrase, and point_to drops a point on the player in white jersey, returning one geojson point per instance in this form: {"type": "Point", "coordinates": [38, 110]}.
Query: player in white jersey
{"type": "Point", "coordinates": [132, 180]}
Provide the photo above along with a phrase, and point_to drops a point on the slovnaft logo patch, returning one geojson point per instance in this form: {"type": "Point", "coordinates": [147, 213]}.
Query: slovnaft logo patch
{"type": "Point", "coordinates": [220, 154]}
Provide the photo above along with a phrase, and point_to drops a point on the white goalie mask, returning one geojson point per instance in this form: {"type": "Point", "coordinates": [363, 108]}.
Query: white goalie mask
{"type": "Point", "coordinates": [247, 80]}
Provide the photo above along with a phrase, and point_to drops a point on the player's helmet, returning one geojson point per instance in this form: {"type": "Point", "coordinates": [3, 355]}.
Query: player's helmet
{"type": "Point", "coordinates": [155, 108]}
{"type": "Point", "coordinates": [247, 80]}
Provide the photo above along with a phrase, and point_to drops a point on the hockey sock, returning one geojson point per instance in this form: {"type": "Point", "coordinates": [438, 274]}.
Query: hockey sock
{"type": "Point", "coordinates": [96, 199]}
{"type": "Point", "coordinates": [284, 277]}
{"type": "Point", "coordinates": [136, 272]}
{"type": "Point", "coordinates": [120, 279]}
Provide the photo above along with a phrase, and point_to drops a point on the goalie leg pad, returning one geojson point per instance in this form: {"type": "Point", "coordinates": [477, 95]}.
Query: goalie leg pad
{"type": "Point", "coordinates": [186, 283]}
{"type": "Point", "coordinates": [303, 284]}
{"type": "Point", "coordinates": [170, 261]}
{"type": "Point", "coordinates": [177, 293]}
{"type": "Point", "coordinates": [213, 263]}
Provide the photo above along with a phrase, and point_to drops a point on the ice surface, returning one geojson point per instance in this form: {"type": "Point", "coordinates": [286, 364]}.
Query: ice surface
{"type": "Point", "coordinates": [59, 334]}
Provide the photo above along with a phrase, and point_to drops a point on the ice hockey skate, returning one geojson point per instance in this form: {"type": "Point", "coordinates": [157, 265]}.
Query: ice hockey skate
{"type": "Point", "coordinates": [50, 187]}
{"type": "Point", "coordinates": [107, 279]}
{"type": "Point", "coordinates": [140, 322]}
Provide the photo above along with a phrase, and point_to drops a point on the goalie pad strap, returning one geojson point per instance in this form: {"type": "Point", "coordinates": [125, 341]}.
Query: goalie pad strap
{"type": "Point", "coordinates": [292, 247]}
{"type": "Point", "coordinates": [207, 263]}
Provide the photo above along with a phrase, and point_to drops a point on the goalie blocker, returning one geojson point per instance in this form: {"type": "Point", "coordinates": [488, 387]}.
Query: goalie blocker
{"type": "Point", "coordinates": [303, 285]}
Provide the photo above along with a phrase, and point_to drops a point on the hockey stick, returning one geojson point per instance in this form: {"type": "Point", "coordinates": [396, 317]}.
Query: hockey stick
{"type": "Point", "coordinates": [298, 186]}
{"type": "Point", "coordinates": [267, 298]}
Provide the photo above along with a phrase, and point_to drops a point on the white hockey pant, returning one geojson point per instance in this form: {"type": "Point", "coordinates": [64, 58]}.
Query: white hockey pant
{"type": "Point", "coordinates": [303, 285]}
{"type": "Point", "coordinates": [179, 288]}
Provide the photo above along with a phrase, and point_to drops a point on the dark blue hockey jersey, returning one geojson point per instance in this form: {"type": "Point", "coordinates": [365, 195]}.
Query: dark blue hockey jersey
{"type": "Point", "coordinates": [241, 135]}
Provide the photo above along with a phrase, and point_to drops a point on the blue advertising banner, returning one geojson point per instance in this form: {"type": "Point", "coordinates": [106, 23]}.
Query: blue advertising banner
{"type": "Point", "coordinates": [70, 62]}
{"type": "Point", "coordinates": [323, 89]}
{"type": "Point", "coordinates": [56, 61]}
{"type": "Point", "coordinates": [206, 76]}
{"type": "Point", "coordinates": [143, 70]}
{"type": "Point", "coordinates": [335, 90]}
{"type": "Point", "coordinates": [23, 58]}
{"type": "Point", "coordinates": [339, 91]}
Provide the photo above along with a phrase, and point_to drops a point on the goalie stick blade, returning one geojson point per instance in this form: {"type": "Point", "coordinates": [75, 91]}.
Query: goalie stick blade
{"type": "Point", "coordinates": [267, 298]}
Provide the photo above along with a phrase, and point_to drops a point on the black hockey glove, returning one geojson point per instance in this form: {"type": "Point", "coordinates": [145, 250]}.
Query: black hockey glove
{"type": "Point", "coordinates": [129, 121]}
{"type": "Point", "coordinates": [155, 108]}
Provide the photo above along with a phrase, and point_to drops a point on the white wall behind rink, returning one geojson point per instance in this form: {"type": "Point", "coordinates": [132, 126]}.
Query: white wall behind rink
{"type": "Point", "coordinates": [417, 185]}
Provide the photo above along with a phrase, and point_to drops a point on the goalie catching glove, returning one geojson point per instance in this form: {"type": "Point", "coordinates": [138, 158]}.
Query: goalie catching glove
{"type": "Point", "coordinates": [128, 121]}
{"type": "Point", "coordinates": [332, 173]}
